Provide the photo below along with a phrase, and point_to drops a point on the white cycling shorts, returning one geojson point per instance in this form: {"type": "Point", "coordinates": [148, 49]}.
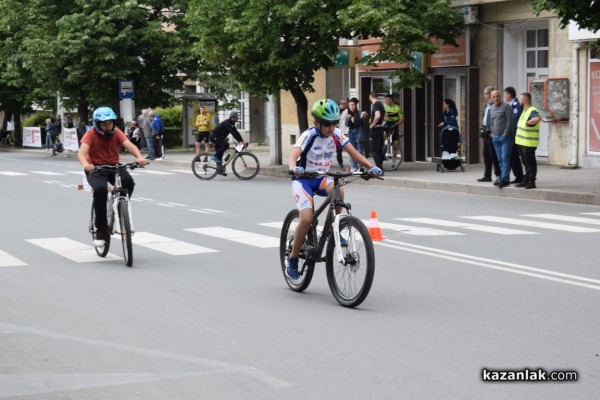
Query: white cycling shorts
{"type": "Point", "coordinates": [303, 190]}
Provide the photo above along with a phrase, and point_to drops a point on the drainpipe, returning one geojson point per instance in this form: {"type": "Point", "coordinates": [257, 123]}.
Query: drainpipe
{"type": "Point", "coordinates": [575, 135]}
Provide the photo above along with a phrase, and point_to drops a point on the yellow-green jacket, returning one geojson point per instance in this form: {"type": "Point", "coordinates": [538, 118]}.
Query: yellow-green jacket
{"type": "Point", "coordinates": [528, 136]}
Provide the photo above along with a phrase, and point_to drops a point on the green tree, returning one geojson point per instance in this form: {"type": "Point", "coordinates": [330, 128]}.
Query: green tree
{"type": "Point", "coordinates": [584, 12]}
{"type": "Point", "coordinates": [82, 48]}
{"type": "Point", "coordinates": [272, 45]}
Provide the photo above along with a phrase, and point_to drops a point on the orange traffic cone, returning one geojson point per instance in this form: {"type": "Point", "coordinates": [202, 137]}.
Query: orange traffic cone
{"type": "Point", "coordinates": [374, 229]}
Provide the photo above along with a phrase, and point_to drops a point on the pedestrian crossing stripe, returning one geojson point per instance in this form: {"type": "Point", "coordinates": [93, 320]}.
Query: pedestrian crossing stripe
{"type": "Point", "coordinates": [11, 173]}
{"type": "Point", "coordinates": [48, 173]}
{"type": "Point", "coordinates": [565, 218]}
{"type": "Point", "coordinates": [182, 171]}
{"type": "Point", "coordinates": [71, 249]}
{"type": "Point", "coordinates": [155, 172]}
{"type": "Point", "coordinates": [414, 230]}
{"type": "Point", "coordinates": [465, 225]}
{"type": "Point", "coordinates": [536, 224]}
{"type": "Point", "coordinates": [167, 245]}
{"type": "Point", "coordinates": [592, 213]}
{"type": "Point", "coordinates": [248, 238]}
{"type": "Point", "coordinates": [7, 260]}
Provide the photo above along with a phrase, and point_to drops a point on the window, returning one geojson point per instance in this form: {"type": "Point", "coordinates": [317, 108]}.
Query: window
{"type": "Point", "coordinates": [537, 48]}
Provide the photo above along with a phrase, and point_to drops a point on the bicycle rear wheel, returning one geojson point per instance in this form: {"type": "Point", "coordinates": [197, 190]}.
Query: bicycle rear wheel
{"type": "Point", "coordinates": [350, 284]}
{"type": "Point", "coordinates": [102, 251]}
{"type": "Point", "coordinates": [125, 232]}
{"type": "Point", "coordinates": [389, 162]}
{"type": "Point", "coordinates": [306, 267]}
{"type": "Point", "coordinates": [245, 166]}
{"type": "Point", "coordinates": [204, 167]}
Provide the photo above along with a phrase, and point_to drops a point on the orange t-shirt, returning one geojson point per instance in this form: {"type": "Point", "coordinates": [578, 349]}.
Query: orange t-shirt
{"type": "Point", "coordinates": [102, 151]}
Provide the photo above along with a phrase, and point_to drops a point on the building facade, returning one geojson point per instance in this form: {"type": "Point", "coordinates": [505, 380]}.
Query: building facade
{"type": "Point", "coordinates": [505, 44]}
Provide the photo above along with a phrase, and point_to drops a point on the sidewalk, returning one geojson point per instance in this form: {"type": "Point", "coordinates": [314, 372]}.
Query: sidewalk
{"type": "Point", "coordinates": [554, 183]}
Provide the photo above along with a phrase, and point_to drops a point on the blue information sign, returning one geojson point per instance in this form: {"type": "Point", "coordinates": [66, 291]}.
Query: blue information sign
{"type": "Point", "coordinates": [126, 90]}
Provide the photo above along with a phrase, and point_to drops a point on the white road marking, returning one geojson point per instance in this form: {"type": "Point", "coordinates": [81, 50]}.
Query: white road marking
{"type": "Point", "coordinates": [413, 230]}
{"type": "Point", "coordinates": [535, 224]}
{"type": "Point", "coordinates": [566, 218]}
{"type": "Point", "coordinates": [168, 245]}
{"type": "Point", "coordinates": [465, 225]}
{"type": "Point", "coordinates": [71, 249]}
{"type": "Point", "coordinates": [7, 260]}
{"type": "Point", "coordinates": [47, 173]}
{"type": "Point", "coordinates": [249, 238]}
{"type": "Point", "coordinates": [215, 211]}
{"type": "Point", "coordinates": [155, 172]}
{"type": "Point", "coordinates": [177, 204]}
{"type": "Point", "coordinates": [592, 213]}
{"type": "Point", "coordinates": [201, 211]}
{"type": "Point", "coordinates": [184, 171]}
{"type": "Point", "coordinates": [11, 173]}
{"type": "Point", "coordinates": [145, 199]}
{"type": "Point", "coordinates": [540, 273]}
{"type": "Point", "coordinates": [165, 205]}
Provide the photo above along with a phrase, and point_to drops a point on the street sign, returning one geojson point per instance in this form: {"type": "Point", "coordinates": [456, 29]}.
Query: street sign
{"type": "Point", "coordinates": [126, 90]}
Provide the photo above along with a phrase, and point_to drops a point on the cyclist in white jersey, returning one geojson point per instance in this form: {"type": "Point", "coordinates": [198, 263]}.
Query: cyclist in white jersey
{"type": "Point", "coordinates": [314, 152]}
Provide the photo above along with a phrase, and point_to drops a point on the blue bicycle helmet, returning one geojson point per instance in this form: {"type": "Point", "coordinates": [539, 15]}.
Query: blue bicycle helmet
{"type": "Point", "coordinates": [104, 114]}
{"type": "Point", "coordinates": [326, 110]}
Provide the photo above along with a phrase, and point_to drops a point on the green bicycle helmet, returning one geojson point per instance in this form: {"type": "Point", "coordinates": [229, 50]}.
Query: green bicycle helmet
{"type": "Point", "coordinates": [326, 110]}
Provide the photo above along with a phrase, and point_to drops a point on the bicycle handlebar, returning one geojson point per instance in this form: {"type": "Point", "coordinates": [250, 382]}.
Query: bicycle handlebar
{"type": "Point", "coordinates": [116, 167]}
{"type": "Point", "coordinates": [366, 175]}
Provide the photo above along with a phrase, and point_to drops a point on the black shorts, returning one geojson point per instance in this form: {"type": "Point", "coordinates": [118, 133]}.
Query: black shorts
{"type": "Point", "coordinates": [202, 136]}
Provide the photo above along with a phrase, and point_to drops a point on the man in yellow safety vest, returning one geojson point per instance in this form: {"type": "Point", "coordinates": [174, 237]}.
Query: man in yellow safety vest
{"type": "Point", "coordinates": [528, 139]}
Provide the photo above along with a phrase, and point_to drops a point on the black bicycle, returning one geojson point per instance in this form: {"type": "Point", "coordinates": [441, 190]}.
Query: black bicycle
{"type": "Point", "coordinates": [244, 164]}
{"type": "Point", "coordinates": [349, 253]}
{"type": "Point", "coordinates": [118, 214]}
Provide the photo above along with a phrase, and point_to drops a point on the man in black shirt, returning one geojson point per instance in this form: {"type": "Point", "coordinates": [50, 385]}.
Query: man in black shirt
{"type": "Point", "coordinates": [218, 135]}
{"type": "Point", "coordinates": [377, 118]}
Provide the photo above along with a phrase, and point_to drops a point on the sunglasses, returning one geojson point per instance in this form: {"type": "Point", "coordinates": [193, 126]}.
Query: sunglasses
{"type": "Point", "coordinates": [327, 124]}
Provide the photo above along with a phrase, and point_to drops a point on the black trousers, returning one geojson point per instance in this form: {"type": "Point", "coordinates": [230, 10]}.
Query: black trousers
{"type": "Point", "coordinates": [221, 145]}
{"type": "Point", "coordinates": [515, 163]}
{"type": "Point", "coordinates": [98, 180]}
{"type": "Point", "coordinates": [377, 146]}
{"type": "Point", "coordinates": [528, 157]}
{"type": "Point", "coordinates": [490, 158]}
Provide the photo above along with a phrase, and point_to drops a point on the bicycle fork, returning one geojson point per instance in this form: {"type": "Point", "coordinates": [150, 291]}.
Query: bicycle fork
{"type": "Point", "coordinates": [338, 243]}
{"type": "Point", "coordinates": [115, 210]}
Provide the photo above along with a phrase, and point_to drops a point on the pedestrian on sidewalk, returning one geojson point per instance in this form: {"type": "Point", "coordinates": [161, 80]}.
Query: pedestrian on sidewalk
{"type": "Point", "coordinates": [510, 96]}
{"type": "Point", "coordinates": [528, 139]}
{"type": "Point", "coordinates": [376, 125]}
{"type": "Point", "coordinates": [489, 153]}
{"type": "Point", "coordinates": [501, 126]}
{"type": "Point", "coordinates": [49, 134]}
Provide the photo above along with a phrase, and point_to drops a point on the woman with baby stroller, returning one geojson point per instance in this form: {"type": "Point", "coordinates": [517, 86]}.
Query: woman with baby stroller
{"type": "Point", "coordinates": [451, 158]}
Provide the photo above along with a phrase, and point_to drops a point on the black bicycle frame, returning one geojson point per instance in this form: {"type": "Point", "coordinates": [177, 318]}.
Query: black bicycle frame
{"type": "Point", "coordinates": [332, 201]}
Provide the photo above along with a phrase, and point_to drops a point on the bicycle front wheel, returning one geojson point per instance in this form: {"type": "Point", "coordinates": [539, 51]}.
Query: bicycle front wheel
{"type": "Point", "coordinates": [306, 266]}
{"type": "Point", "coordinates": [350, 281]}
{"type": "Point", "coordinates": [204, 167]}
{"type": "Point", "coordinates": [245, 166]}
{"type": "Point", "coordinates": [125, 232]}
{"type": "Point", "coordinates": [102, 251]}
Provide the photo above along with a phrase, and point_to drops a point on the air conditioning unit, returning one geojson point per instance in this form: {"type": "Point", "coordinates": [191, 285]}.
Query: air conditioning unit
{"type": "Point", "coordinates": [471, 14]}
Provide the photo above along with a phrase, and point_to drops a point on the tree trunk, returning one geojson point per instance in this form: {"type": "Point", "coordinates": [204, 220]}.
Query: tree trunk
{"type": "Point", "coordinates": [301, 108]}
{"type": "Point", "coordinates": [82, 108]}
{"type": "Point", "coordinates": [18, 132]}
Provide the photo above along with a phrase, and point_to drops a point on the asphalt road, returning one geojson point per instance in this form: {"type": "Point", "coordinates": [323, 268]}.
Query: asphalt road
{"type": "Point", "coordinates": [463, 283]}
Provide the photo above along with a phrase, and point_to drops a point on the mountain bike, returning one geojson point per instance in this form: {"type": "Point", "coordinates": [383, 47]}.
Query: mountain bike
{"type": "Point", "coordinates": [244, 164]}
{"type": "Point", "coordinates": [349, 253]}
{"type": "Point", "coordinates": [391, 163]}
{"type": "Point", "coordinates": [118, 214]}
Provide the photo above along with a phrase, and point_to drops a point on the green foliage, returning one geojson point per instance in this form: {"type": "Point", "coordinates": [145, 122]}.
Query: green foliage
{"type": "Point", "coordinates": [270, 45]}
{"type": "Point", "coordinates": [171, 116]}
{"type": "Point", "coordinates": [37, 119]}
{"type": "Point", "coordinates": [585, 13]}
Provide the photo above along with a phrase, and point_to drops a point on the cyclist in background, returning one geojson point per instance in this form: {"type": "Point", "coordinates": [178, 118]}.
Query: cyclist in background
{"type": "Point", "coordinates": [217, 137]}
{"type": "Point", "coordinates": [100, 146]}
{"type": "Point", "coordinates": [394, 117]}
{"type": "Point", "coordinates": [314, 152]}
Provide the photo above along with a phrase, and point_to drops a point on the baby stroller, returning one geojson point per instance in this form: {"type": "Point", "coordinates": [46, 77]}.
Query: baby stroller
{"type": "Point", "coordinates": [450, 147]}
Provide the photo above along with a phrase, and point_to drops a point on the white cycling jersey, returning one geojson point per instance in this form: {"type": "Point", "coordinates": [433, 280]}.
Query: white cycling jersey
{"type": "Point", "coordinates": [318, 151]}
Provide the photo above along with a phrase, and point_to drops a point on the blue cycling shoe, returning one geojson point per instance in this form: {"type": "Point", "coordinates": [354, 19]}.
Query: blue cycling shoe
{"type": "Point", "coordinates": [291, 267]}
{"type": "Point", "coordinates": [215, 158]}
